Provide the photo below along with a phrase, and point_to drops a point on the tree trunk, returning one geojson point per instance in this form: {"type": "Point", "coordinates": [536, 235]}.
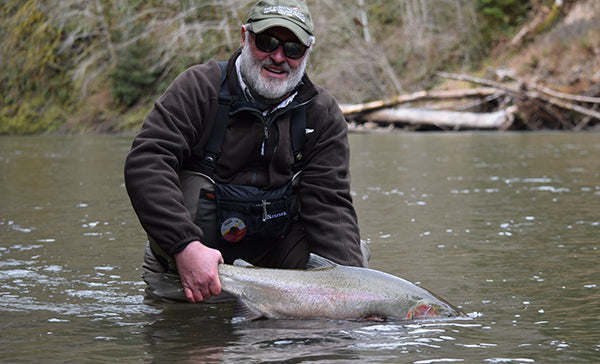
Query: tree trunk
{"type": "Point", "coordinates": [441, 118]}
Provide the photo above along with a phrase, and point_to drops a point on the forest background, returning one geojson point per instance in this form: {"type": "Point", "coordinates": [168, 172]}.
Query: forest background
{"type": "Point", "coordinates": [96, 66]}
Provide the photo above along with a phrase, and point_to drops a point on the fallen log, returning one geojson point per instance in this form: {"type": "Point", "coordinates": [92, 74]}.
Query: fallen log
{"type": "Point", "coordinates": [544, 94]}
{"type": "Point", "coordinates": [523, 86]}
{"type": "Point", "coordinates": [478, 80]}
{"type": "Point", "coordinates": [565, 96]}
{"type": "Point", "coordinates": [442, 118]}
{"type": "Point", "coordinates": [349, 109]}
{"type": "Point", "coordinates": [530, 101]}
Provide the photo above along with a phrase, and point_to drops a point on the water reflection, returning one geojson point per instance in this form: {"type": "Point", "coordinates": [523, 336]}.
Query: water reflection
{"type": "Point", "coordinates": [503, 225]}
{"type": "Point", "coordinates": [201, 340]}
{"type": "Point", "coordinates": [195, 333]}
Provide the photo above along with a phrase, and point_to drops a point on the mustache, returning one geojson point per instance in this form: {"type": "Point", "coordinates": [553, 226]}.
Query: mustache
{"type": "Point", "coordinates": [269, 62]}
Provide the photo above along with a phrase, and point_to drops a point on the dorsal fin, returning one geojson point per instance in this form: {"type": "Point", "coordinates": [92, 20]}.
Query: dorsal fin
{"type": "Point", "coordinates": [242, 263]}
{"type": "Point", "coordinates": [318, 262]}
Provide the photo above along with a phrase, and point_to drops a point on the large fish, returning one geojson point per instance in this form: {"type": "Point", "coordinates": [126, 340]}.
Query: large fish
{"type": "Point", "coordinates": [324, 290]}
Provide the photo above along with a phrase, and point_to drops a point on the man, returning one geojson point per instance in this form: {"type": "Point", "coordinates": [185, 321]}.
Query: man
{"type": "Point", "coordinates": [268, 86]}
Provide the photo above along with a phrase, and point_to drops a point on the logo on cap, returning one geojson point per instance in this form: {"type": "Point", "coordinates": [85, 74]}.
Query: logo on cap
{"type": "Point", "coordinates": [285, 11]}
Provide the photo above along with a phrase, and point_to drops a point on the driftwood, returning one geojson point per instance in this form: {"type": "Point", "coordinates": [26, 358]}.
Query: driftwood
{"type": "Point", "coordinates": [349, 109]}
{"type": "Point", "coordinates": [536, 106]}
{"type": "Point", "coordinates": [442, 118]}
{"type": "Point", "coordinates": [523, 86]}
{"type": "Point", "coordinates": [545, 95]}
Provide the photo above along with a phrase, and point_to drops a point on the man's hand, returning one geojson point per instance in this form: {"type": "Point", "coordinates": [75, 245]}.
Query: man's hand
{"type": "Point", "coordinates": [197, 265]}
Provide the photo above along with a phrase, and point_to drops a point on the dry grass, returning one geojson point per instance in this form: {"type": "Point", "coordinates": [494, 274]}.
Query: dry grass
{"type": "Point", "coordinates": [567, 58]}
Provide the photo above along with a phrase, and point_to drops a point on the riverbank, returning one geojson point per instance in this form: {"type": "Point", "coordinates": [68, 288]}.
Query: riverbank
{"type": "Point", "coordinates": [534, 81]}
{"type": "Point", "coordinates": [91, 74]}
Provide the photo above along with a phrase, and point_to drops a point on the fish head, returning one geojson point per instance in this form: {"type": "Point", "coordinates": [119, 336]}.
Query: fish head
{"type": "Point", "coordinates": [426, 309]}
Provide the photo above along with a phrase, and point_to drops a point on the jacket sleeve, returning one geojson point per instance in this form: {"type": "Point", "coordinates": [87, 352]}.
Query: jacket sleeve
{"type": "Point", "coordinates": [326, 208]}
{"type": "Point", "coordinates": [161, 147]}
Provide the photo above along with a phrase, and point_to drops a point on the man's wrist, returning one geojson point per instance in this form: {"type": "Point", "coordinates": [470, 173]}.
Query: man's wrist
{"type": "Point", "coordinates": [183, 246]}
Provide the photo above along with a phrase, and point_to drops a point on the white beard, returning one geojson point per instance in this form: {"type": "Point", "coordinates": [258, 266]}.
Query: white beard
{"type": "Point", "coordinates": [271, 88]}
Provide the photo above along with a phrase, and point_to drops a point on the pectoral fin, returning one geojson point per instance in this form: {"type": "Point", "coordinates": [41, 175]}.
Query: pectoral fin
{"type": "Point", "coordinates": [165, 286]}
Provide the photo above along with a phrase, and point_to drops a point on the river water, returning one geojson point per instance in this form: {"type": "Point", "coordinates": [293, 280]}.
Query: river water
{"type": "Point", "coordinates": [504, 225]}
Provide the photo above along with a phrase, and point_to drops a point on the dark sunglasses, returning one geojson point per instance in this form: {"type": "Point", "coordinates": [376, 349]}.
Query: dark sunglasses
{"type": "Point", "coordinates": [268, 43]}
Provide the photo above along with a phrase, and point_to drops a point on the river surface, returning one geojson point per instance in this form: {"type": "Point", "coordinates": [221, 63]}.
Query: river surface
{"type": "Point", "coordinates": [504, 225]}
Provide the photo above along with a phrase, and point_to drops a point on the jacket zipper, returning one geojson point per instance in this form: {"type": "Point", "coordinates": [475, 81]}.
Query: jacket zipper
{"type": "Point", "coordinates": [265, 124]}
{"type": "Point", "coordinates": [265, 138]}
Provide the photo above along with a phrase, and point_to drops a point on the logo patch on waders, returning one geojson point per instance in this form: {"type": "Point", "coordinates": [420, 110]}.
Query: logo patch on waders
{"type": "Point", "coordinates": [233, 229]}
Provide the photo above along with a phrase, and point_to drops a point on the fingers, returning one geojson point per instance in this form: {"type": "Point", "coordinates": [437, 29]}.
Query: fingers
{"type": "Point", "coordinates": [215, 284]}
{"type": "Point", "coordinates": [189, 294]}
{"type": "Point", "coordinates": [215, 287]}
{"type": "Point", "coordinates": [198, 287]}
{"type": "Point", "coordinates": [198, 291]}
{"type": "Point", "coordinates": [198, 270]}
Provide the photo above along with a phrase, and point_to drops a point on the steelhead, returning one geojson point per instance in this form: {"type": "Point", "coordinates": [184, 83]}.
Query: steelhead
{"type": "Point", "coordinates": [324, 290]}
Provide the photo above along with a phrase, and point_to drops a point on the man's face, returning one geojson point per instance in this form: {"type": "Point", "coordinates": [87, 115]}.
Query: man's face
{"type": "Point", "coordinates": [272, 75]}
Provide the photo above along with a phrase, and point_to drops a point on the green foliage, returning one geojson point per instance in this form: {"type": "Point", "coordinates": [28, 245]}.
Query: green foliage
{"type": "Point", "coordinates": [67, 64]}
{"type": "Point", "coordinates": [499, 16]}
{"type": "Point", "coordinates": [134, 76]}
{"type": "Point", "coordinates": [31, 116]}
{"type": "Point", "coordinates": [382, 15]}
{"type": "Point", "coordinates": [31, 82]}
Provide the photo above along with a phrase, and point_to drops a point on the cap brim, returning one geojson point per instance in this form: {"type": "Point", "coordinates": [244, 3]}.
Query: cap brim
{"type": "Point", "coordinates": [260, 26]}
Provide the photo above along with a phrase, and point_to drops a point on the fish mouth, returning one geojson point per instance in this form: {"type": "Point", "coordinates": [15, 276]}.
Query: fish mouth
{"type": "Point", "coordinates": [422, 311]}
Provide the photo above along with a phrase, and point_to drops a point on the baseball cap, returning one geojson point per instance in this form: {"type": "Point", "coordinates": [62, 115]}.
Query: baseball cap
{"type": "Point", "coordinates": [290, 14]}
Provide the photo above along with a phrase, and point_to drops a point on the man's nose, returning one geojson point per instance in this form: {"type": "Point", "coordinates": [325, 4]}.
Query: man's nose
{"type": "Point", "coordinates": [277, 55]}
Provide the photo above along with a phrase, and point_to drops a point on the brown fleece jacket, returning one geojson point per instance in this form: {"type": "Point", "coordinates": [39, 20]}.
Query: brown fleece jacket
{"type": "Point", "coordinates": [175, 133]}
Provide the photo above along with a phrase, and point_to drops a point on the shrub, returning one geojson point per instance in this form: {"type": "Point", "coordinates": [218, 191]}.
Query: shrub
{"type": "Point", "coordinates": [135, 75]}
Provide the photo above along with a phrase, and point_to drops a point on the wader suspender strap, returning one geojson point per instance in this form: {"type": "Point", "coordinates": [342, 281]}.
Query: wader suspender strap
{"type": "Point", "coordinates": [298, 130]}
{"type": "Point", "coordinates": [213, 147]}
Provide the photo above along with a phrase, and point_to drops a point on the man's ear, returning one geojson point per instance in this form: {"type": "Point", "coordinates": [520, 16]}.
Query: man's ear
{"type": "Point", "coordinates": [243, 37]}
